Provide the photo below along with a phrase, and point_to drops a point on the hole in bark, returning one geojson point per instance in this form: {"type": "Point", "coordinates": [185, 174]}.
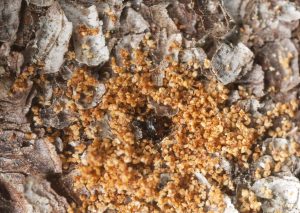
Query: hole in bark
{"type": "Point", "coordinates": [154, 128]}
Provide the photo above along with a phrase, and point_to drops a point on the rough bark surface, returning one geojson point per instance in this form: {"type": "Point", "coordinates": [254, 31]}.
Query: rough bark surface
{"type": "Point", "coordinates": [57, 59]}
